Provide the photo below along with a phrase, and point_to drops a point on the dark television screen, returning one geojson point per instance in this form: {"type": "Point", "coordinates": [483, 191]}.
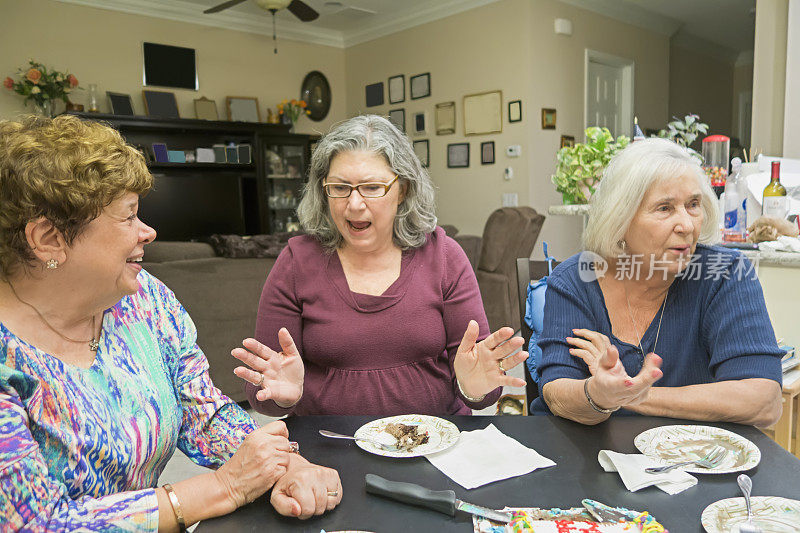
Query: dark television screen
{"type": "Point", "coordinates": [169, 66]}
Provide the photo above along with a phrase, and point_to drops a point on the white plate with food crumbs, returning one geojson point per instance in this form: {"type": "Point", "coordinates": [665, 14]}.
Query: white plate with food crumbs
{"type": "Point", "coordinates": [407, 435]}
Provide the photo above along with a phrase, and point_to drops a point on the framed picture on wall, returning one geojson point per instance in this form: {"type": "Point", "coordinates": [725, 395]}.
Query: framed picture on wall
{"type": "Point", "coordinates": [397, 89]}
{"type": "Point", "coordinates": [548, 119]}
{"type": "Point", "coordinates": [515, 111]}
{"type": "Point", "coordinates": [423, 152]}
{"type": "Point", "coordinates": [398, 118]}
{"type": "Point", "coordinates": [567, 140]}
{"type": "Point", "coordinates": [487, 153]}
{"type": "Point", "coordinates": [419, 123]}
{"type": "Point", "coordinates": [445, 118]}
{"type": "Point", "coordinates": [458, 155]}
{"type": "Point", "coordinates": [483, 113]}
{"type": "Point", "coordinates": [420, 85]}
{"type": "Point", "coordinates": [374, 93]}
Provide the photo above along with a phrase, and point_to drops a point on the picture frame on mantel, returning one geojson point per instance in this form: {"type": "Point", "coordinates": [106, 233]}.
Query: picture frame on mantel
{"type": "Point", "coordinates": [243, 109]}
{"type": "Point", "coordinates": [205, 109]}
{"type": "Point", "coordinates": [160, 104]}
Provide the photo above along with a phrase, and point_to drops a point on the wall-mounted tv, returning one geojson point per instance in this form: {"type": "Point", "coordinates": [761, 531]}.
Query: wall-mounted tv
{"type": "Point", "coordinates": [170, 66]}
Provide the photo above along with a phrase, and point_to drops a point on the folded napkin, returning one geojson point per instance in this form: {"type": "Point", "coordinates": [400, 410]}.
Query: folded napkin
{"type": "Point", "coordinates": [484, 456]}
{"type": "Point", "coordinates": [782, 244]}
{"type": "Point", "coordinates": [631, 470]}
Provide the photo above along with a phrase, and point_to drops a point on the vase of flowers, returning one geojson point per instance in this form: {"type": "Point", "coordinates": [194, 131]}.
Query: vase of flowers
{"type": "Point", "coordinates": [42, 86]}
{"type": "Point", "coordinates": [291, 111]}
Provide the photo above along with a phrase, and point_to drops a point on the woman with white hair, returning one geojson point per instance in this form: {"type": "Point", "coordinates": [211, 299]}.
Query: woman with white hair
{"type": "Point", "coordinates": [652, 318]}
{"type": "Point", "coordinates": [375, 310]}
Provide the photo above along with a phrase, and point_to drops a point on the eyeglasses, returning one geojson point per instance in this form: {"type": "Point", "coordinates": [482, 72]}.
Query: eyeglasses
{"type": "Point", "coordinates": [366, 190]}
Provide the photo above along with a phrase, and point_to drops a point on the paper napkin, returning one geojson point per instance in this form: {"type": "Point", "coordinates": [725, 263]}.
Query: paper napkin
{"type": "Point", "coordinates": [484, 456]}
{"type": "Point", "coordinates": [631, 470]}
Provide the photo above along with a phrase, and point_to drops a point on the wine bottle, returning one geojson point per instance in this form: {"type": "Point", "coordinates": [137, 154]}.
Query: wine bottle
{"type": "Point", "coordinates": [775, 200]}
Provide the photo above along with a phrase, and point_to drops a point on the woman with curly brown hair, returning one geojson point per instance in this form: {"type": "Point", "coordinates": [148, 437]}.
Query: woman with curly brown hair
{"type": "Point", "coordinates": [100, 374]}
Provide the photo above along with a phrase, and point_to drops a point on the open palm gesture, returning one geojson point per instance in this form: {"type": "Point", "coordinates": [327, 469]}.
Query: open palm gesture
{"type": "Point", "coordinates": [279, 375]}
{"type": "Point", "coordinates": [480, 367]}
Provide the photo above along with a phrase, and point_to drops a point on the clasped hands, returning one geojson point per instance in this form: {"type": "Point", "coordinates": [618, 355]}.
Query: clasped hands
{"type": "Point", "coordinates": [265, 459]}
{"type": "Point", "coordinates": [479, 366]}
{"type": "Point", "coordinates": [611, 386]}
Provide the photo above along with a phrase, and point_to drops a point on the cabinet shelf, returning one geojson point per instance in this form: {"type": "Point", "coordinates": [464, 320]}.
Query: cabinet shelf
{"type": "Point", "coordinates": [203, 166]}
{"type": "Point", "coordinates": [283, 177]}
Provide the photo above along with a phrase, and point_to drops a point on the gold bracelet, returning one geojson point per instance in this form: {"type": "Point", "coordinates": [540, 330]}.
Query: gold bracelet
{"type": "Point", "coordinates": [591, 402]}
{"type": "Point", "coordinates": [176, 507]}
{"type": "Point", "coordinates": [465, 395]}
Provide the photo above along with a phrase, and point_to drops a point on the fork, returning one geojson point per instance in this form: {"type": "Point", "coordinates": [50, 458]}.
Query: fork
{"type": "Point", "coordinates": [712, 459]}
{"type": "Point", "coordinates": [334, 435]}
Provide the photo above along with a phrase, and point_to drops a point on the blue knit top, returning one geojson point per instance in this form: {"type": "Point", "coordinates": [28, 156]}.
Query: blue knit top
{"type": "Point", "coordinates": [715, 325]}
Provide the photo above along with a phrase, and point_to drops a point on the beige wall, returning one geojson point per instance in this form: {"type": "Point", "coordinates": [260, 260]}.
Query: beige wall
{"type": "Point", "coordinates": [511, 46]}
{"type": "Point", "coordinates": [105, 47]}
{"type": "Point", "coordinates": [769, 75]}
{"type": "Point", "coordinates": [701, 84]}
{"type": "Point", "coordinates": [791, 125]}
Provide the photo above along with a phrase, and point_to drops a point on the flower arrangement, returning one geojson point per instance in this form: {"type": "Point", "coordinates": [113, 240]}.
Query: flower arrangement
{"type": "Point", "coordinates": [40, 85]}
{"type": "Point", "coordinates": [293, 109]}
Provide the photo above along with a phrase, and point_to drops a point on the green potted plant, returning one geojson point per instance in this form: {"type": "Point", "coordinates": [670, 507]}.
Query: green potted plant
{"type": "Point", "coordinates": [580, 167]}
{"type": "Point", "coordinates": [685, 132]}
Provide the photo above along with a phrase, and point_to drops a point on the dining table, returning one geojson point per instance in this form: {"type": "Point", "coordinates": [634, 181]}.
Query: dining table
{"type": "Point", "coordinates": [577, 475]}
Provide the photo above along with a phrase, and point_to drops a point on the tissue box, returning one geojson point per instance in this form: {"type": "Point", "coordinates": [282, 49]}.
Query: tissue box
{"type": "Point", "coordinates": [205, 155]}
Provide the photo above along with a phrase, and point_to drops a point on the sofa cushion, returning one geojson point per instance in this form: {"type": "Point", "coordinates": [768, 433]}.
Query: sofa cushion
{"type": "Point", "coordinates": [221, 295]}
{"type": "Point", "coordinates": [163, 251]}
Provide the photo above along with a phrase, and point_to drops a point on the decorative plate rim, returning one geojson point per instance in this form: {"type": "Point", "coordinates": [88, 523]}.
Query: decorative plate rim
{"type": "Point", "coordinates": [448, 431]}
{"type": "Point", "coordinates": [709, 513]}
{"type": "Point", "coordinates": [734, 438]}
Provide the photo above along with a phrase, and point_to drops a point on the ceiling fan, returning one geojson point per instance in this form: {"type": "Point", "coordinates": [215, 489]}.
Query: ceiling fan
{"type": "Point", "coordinates": [297, 8]}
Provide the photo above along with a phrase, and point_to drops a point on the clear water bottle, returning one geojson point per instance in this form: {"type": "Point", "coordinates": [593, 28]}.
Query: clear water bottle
{"type": "Point", "coordinates": [735, 225]}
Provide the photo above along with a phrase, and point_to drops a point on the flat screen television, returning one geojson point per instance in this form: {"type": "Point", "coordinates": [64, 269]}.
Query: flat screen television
{"type": "Point", "coordinates": [170, 66]}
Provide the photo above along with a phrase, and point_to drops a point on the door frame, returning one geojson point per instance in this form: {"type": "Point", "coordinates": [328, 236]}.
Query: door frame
{"type": "Point", "coordinates": [628, 70]}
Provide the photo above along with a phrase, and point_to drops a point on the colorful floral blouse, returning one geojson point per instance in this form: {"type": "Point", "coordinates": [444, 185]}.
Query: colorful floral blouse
{"type": "Point", "coordinates": [82, 449]}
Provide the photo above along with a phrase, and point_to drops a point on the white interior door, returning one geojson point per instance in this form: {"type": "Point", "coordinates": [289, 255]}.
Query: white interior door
{"type": "Point", "coordinates": [604, 97]}
{"type": "Point", "coordinates": [608, 96]}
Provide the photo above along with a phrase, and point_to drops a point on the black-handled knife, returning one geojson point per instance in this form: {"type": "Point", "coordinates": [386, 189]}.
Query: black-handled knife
{"type": "Point", "coordinates": [443, 501]}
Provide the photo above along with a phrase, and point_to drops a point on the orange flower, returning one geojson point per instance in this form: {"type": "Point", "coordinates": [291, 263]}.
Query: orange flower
{"type": "Point", "coordinates": [9, 83]}
{"type": "Point", "coordinates": [73, 81]}
{"type": "Point", "coordinates": [33, 75]}
{"type": "Point", "coordinates": [303, 104]}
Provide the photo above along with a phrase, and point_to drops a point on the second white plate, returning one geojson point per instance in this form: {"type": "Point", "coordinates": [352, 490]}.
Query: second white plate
{"type": "Point", "coordinates": [441, 435]}
{"type": "Point", "coordinates": [675, 444]}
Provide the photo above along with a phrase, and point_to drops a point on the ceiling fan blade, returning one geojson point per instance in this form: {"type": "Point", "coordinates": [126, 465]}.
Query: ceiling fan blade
{"type": "Point", "coordinates": [223, 6]}
{"type": "Point", "coordinates": [302, 11]}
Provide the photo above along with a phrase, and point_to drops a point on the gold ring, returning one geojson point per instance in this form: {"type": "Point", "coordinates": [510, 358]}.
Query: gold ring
{"type": "Point", "coordinates": [260, 381]}
{"type": "Point", "coordinates": [333, 493]}
{"type": "Point", "coordinates": [500, 364]}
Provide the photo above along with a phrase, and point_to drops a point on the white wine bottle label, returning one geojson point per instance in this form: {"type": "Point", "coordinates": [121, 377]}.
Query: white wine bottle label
{"type": "Point", "coordinates": [774, 206]}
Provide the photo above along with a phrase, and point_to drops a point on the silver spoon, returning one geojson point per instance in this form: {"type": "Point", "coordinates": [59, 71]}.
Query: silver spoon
{"type": "Point", "coordinates": [334, 435]}
{"type": "Point", "coordinates": [746, 484]}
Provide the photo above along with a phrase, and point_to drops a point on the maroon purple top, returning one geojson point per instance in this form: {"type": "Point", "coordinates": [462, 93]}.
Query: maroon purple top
{"type": "Point", "coordinates": [378, 355]}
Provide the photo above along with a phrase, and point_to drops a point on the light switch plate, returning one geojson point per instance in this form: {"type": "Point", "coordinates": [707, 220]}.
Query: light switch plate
{"type": "Point", "coordinates": [510, 199]}
{"type": "Point", "coordinates": [514, 150]}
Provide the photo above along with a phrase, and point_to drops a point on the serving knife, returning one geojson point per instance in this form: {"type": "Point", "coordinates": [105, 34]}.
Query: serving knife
{"type": "Point", "coordinates": [443, 501]}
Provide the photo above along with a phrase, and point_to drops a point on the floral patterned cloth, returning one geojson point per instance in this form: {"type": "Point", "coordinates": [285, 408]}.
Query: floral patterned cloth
{"type": "Point", "coordinates": [82, 448]}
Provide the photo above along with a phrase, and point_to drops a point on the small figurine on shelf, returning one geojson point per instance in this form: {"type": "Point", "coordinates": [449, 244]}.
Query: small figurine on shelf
{"type": "Point", "coordinates": [272, 118]}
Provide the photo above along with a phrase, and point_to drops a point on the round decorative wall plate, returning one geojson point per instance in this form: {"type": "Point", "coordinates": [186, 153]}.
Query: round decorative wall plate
{"type": "Point", "coordinates": [316, 91]}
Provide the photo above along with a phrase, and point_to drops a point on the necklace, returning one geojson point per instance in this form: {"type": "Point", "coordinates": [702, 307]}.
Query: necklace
{"type": "Point", "coordinates": [94, 344]}
{"type": "Point", "coordinates": [633, 322]}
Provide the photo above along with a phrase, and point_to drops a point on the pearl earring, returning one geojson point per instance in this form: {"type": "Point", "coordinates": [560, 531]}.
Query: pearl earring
{"type": "Point", "coordinates": [52, 264]}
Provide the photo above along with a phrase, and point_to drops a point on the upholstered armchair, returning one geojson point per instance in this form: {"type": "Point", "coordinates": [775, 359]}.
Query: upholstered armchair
{"type": "Point", "coordinates": [510, 232]}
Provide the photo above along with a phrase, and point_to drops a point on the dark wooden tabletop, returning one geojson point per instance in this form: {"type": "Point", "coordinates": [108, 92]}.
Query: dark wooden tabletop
{"type": "Point", "coordinates": [578, 475]}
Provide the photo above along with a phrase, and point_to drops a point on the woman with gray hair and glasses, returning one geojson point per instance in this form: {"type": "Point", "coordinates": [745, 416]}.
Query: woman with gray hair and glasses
{"type": "Point", "coordinates": [375, 310]}
{"type": "Point", "coordinates": [652, 318]}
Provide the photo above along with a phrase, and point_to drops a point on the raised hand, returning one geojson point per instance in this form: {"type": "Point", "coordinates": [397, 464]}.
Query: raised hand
{"type": "Point", "coordinates": [306, 490]}
{"type": "Point", "coordinates": [279, 375]}
{"type": "Point", "coordinates": [261, 460]}
{"type": "Point", "coordinates": [478, 365]}
{"type": "Point", "coordinates": [611, 386]}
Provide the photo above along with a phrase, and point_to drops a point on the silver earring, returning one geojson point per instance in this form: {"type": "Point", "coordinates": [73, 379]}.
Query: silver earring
{"type": "Point", "coordinates": [52, 264]}
{"type": "Point", "coordinates": [622, 244]}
